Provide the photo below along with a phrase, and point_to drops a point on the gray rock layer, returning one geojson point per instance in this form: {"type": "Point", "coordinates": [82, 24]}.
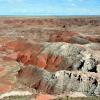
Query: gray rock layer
{"type": "Point", "coordinates": [60, 81]}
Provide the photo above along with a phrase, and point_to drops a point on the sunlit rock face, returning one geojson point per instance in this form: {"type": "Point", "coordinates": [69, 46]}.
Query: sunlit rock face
{"type": "Point", "coordinates": [60, 81]}
{"type": "Point", "coordinates": [51, 56]}
{"type": "Point", "coordinates": [54, 56]}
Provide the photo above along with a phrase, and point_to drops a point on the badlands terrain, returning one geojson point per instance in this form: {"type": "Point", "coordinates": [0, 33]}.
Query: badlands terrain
{"type": "Point", "coordinates": [49, 58]}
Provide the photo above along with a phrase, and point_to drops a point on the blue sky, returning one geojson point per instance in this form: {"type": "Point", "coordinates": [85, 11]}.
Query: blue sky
{"type": "Point", "coordinates": [49, 7]}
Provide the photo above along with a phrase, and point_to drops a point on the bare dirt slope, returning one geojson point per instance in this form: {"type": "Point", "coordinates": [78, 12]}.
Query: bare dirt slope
{"type": "Point", "coordinates": [52, 55]}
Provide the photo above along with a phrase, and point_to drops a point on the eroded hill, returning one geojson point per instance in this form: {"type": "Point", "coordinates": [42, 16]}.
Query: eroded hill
{"type": "Point", "coordinates": [54, 56]}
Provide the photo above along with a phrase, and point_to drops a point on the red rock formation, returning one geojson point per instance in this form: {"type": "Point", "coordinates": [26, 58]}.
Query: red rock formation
{"type": "Point", "coordinates": [35, 54]}
{"type": "Point", "coordinates": [39, 45]}
{"type": "Point", "coordinates": [18, 45]}
{"type": "Point", "coordinates": [93, 38]}
{"type": "Point", "coordinates": [65, 36]}
{"type": "Point", "coordinates": [2, 68]}
{"type": "Point", "coordinates": [5, 88]}
{"type": "Point", "coordinates": [8, 72]}
{"type": "Point", "coordinates": [30, 54]}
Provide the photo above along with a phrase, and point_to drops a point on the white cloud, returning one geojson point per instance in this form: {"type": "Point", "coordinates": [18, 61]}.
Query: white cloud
{"type": "Point", "coordinates": [73, 4]}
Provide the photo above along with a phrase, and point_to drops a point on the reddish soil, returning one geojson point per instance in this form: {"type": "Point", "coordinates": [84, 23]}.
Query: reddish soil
{"type": "Point", "coordinates": [23, 40]}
